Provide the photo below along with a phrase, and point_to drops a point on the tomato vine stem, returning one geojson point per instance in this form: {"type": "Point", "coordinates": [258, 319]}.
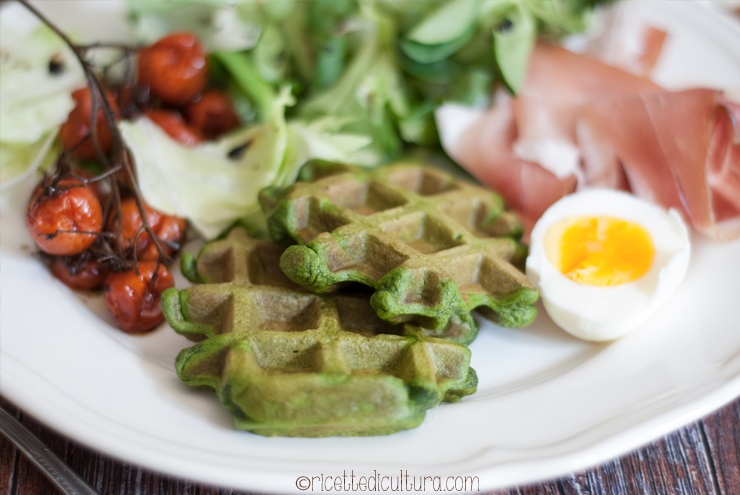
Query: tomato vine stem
{"type": "Point", "coordinates": [118, 161]}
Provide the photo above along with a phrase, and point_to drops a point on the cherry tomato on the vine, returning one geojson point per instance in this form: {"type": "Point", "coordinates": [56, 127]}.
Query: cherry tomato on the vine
{"type": "Point", "coordinates": [169, 230]}
{"type": "Point", "coordinates": [173, 124]}
{"type": "Point", "coordinates": [134, 299]}
{"type": "Point", "coordinates": [131, 225]}
{"type": "Point", "coordinates": [86, 178]}
{"type": "Point", "coordinates": [75, 132]}
{"type": "Point", "coordinates": [212, 114]}
{"type": "Point", "coordinates": [130, 99]}
{"type": "Point", "coordinates": [66, 221]}
{"type": "Point", "coordinates": [175, 68]}
{"type": "Point", "coordinates": [81, 272]}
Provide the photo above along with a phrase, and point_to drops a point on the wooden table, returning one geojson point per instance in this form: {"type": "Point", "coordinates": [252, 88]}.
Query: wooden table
{"type": "Point", "coordinates": [702, 458]}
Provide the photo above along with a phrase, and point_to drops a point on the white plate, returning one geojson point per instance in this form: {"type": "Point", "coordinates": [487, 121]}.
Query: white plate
{"type": "Point", "coordinates": [546, 405]}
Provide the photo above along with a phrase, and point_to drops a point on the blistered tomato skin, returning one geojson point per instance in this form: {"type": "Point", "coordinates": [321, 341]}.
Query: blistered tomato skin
{"type": "Point", "coordinates": [75, 130]}
{"type": "Point", "coordinates": [131, 225]}
{"type": "Point", "coordinates": [212, 114]}
{"type": "Point", "coordinates": [83, 178]}
{"type": "Point", "coordinates": [175, 68]}
{"type": "Point", "coordinates": [170, 232]}
{"type": "Point", "coordinates": [66, 222]}
{"type": "Point", "coordinates": [134, 300]}
{"type": "Point", "coordinates": [78, 274]}
{"type": "Point", "coordinates": [173, 124]}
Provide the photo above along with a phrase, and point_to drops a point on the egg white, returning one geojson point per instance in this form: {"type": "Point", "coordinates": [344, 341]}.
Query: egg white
{"type": "Point", "coordinates": [606, 313]}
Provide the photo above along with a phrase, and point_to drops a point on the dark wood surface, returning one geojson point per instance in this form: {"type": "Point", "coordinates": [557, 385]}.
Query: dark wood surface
{"type": "Point", "coordinates": [702, 458]}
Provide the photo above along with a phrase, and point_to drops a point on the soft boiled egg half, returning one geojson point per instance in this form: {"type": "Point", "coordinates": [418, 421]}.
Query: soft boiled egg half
{"type": "Point", "coordinates": [604, 261]}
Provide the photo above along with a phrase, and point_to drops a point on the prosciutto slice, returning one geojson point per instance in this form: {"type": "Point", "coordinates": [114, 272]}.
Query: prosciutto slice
{"type": "Point", "coordinates": [485, 150]}
{"type": "Point", "coordinates": [679, 149]}
{"type": "Point", "coordinates": [579, 122]}
{"type": "Point", "coordinates": [558, 85]}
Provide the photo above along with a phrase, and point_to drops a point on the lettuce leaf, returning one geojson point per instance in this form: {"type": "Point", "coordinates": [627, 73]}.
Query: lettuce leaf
{"type": "Point", "coordinates": [19, 160]}
{"type": "Point", "coordinates": [218, 23]}
{"type": "Point", "coordinates": [34, 101]}
{"type": "Point", "coordinates": [513, 41]}
{"type": "Point", "coordinates": [216, 184]}
{"type": "Point", "coordinates": [382, 66]}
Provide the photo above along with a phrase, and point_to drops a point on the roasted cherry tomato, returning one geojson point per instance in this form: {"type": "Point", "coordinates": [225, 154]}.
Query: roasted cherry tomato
{"type": "Point", "coordinates": [99, 187]}
{"type": "Point", "coordinates": [131, 225]}
{"type": "Point", "coordinates": [80, 272]}
{"type": "Point", "coordinates": [212, 114]}
{"type": "Point", "coordinates": [175, 68]}
{"type": "Point", "coordinates": [133, 299]}
{"type": "Point", "coordinates": [170, 232]}
{"type": "Point", "coordinates": [75, 132]}
{"type": "Point", "coordinates": [130, 99]}
{"type": "Point", "coordinates": [65, 220]}
{"type": "Point", "coordinates": [168, 229]}
{"type": "Point", "coordinates": [173, 124]}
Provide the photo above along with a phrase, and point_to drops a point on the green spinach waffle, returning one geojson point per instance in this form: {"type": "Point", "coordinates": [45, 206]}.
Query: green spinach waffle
{"type": "Point", "coordinates": [288, 362]}
{"type": "Point", "coordinates": [433, 248]}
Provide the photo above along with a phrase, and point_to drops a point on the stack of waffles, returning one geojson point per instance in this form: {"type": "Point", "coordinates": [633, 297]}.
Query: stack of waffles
{"type": "Point", "coordinates": [354, 318]}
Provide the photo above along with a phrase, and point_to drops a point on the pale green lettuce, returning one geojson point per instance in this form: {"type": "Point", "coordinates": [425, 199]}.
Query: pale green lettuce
{"type": "Point", "coordinates": [383, 66]}
{"type": "Point", "coordinates": [216, 184]}
{"type": "Point", "coordinates": [218, 23]}
{"type": "Point", "coordinates": [366, 75]}
{"type": "Point", "coordinates": [19, 160]}
{"type": "Point", "coordinates": [33, 101]}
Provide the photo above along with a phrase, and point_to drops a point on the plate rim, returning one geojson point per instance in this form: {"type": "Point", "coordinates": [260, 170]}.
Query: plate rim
{"type": "Point", "coordinates": [22, 392]}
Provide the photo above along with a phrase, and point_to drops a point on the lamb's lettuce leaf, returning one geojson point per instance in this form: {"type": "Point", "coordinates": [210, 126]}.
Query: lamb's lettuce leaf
{"type": "Point", "coordinates": [383, 66]}
{"type": "Point", "coordinates": [247, 79]}
{"type": "Point", "coordinates": [367, 76]}
{"type": "Point", "coordinates": [446, 23]}
{"type": "Point", "coordinates": [513, 40]}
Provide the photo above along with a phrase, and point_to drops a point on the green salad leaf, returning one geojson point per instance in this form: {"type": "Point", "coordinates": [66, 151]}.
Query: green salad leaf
{"type": "Point", "coordinates": [247, 79]}
{"type": "Point", "coordinates": [366, 76]}
{"type": "Point", "coordinates": [34, 100]}
{"type": "Point", "coordinates": [513, 40]}
{"type": "Point", "coordinates": [216, 184]}
{"type": "Point", "coordinates": [447, 22]}
{"type": "Point", "coordinates": [218, 23]}
{"type": "Point", "coordinates": [18, 160]}
{"type": "Point", "coordinates": [382, 66]}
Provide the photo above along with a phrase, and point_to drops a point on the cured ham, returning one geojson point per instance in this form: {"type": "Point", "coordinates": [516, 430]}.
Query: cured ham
{"type": "Point", "coordinates": [526, 147]}
{"type": "Point", "coordinates": [622, 38]}
{"type": "Point", "coordinates": [559, 84]}
{"type": "Point", "coordinates": [578, 122]}
{"type": "Point", "coordinates": [485, 149]}
{"type": "Point", "coordinates": [678, 149]}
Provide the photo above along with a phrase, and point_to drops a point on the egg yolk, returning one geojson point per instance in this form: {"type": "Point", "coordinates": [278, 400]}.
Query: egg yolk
{"type": "Point", "coordinates": [600, 250]}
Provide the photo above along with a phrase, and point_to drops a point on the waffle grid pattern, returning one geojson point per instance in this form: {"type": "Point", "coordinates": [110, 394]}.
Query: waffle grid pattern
{"type": "Point", "coordinates": [285, 361]}
{"type": "Point", "coordinates": [433, 248]}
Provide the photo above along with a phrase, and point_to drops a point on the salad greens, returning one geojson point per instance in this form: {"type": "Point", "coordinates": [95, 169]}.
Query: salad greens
{"type": "Point", "coordinates": [34, 101]}
{"type": "Point", "coordinates": [382, 65]}
{"type": "Point", "coordinates": [18, 160]}
{"type": "Point", "coordinates": [215, 184]}
{"type": "Point", "coordinates": [367, 76]}
{"type": "Point", "coordinates": [216, 23]}
{"type": "Point", "coordinates": [344, 80]}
